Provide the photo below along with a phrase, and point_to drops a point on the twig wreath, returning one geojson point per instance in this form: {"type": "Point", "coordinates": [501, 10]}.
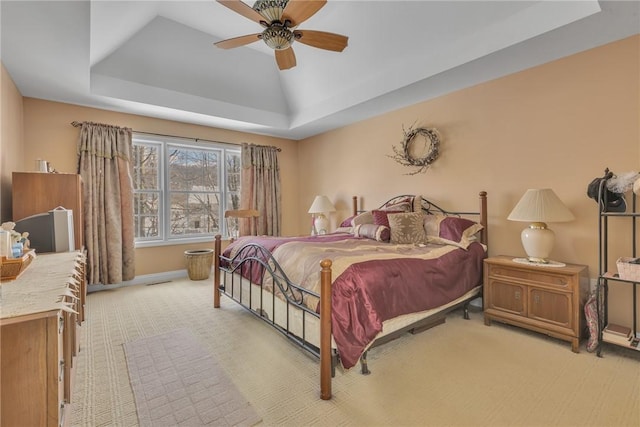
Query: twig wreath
{"type": "Point", "coordinates": [403, 153]}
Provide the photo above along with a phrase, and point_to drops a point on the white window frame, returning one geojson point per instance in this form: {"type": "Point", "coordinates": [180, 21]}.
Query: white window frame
{"type": "Point", "coordinates": [163, 144]}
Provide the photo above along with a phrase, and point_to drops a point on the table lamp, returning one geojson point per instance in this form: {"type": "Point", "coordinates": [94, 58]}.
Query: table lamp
{"type": "Point", "coordinates": [320, 205]}
{"type": "Point", "coordinates": [539, 206]}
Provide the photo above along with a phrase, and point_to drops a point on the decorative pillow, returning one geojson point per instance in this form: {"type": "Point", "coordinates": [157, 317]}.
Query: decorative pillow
{"type": "Point", "coordinates": [363, 218]}
{"type": "Point", "coordinates": [407, 227]}
{"type": "Point", "coordinates": [347, 222]}
{"type": "Point", "coordinates": [372, 231]}
{"type": "Point", "coordinates": [380, 217]}
{"type": "Point", "coordinates": [450, 230]}
{"type": "Point", "coordinates": [417, 204]}
{"type": "Point", "coordinates": [399, 204]}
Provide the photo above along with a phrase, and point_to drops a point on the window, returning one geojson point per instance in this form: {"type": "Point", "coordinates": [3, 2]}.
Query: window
{"type": "Point", "coordinates": [182, 188]}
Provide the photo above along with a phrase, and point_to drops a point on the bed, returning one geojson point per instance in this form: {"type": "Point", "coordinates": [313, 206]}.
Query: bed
{"type": "Point", "coordinates": [396, 269]}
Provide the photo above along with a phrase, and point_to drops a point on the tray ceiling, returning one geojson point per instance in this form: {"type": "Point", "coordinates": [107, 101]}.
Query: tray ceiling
{"type": "Point", "coordinates": [157, 58]}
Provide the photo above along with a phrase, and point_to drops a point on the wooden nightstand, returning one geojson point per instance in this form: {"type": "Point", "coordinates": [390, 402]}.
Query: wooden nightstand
{"type": "Point", "coordinates": [548, 300]}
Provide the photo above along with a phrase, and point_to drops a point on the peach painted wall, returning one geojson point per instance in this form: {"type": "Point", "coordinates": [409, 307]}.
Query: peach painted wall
{"type": "Point", "coordinates": [557, 125]}
{"type": "Point", "coordinates": [11, 138]}
{"type": "Point", "coordinates": [48, 134]}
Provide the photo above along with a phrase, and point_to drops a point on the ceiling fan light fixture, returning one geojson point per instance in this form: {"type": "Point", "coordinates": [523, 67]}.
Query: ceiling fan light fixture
{"type": "Point", "coordinates": [271, 10]}
{"type": "Point", "coordinates": [278, 37]}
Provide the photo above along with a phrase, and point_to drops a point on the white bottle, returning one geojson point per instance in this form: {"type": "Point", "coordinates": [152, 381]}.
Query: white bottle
{"type": "Point", "coordinates": [5, 244]}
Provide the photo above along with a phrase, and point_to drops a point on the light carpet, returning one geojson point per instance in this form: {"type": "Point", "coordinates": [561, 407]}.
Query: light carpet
{"type": "Point", "coordinates": [461, 373]}
{"type": "Point", "coordinates": [177, 383]}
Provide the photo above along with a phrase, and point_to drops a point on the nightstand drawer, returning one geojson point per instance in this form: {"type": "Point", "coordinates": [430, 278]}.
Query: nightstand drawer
{"type": "Point", "coordinates": [538, 277]}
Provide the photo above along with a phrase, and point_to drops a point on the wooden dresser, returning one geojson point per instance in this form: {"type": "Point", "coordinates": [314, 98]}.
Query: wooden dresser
{"type": "Point", "coordinates": [40, 315]}
{"type": "Point", "coordinates": [549, 300]}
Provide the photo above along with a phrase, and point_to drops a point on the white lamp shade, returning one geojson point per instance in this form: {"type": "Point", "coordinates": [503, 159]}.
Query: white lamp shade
{"type": "Point", "coordinates": [321, 204]}
{"type": "Point", "coordinates": [539, 206]}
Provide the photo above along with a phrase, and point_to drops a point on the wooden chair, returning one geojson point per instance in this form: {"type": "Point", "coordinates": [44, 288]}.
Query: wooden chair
{"type": "Point", "coordinates": [233, 217]}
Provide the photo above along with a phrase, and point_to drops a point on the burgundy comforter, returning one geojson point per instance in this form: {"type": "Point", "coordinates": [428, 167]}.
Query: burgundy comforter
{"type": "Point", "coordinates": [368, 293]}
{"type": "Point", "coordinates": [373, 281]}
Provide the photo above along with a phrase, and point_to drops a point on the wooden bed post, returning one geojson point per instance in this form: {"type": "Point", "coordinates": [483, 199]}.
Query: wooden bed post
{"type": "Point", "coordinates": [216, 271]}
{"type": "Point", "coordinates": [483, 217]}
{"type": "Point", "coordinates": [354, 208]}
{"type": "Point", "coordinates": [325, 330]}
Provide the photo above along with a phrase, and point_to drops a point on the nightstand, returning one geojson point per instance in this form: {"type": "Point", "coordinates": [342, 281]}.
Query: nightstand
{"type": "Point", "coordinates": [549, 300]}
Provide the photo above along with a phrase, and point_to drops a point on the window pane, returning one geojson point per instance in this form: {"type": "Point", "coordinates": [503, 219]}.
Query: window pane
{"type": "Point", "coordinates": [194, 213]}
{"type": "Point", "coordinates": [193, 169]}
{"type": "Point", "coordinates": [145, 167]}
{"type": "Point", "coordinates": [233, 180]}
{"type": "Point", "coordinates": [146, 214]}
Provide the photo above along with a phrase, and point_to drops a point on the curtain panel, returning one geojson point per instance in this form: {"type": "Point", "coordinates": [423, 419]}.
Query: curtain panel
{"type": "Point", "coordinates": [104, 154]}
{"type": "Point", "coordinates": [261, 187]}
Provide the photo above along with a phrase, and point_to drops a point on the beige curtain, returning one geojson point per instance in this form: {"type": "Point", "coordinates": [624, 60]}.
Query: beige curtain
{"type": "Point", "coordinates": [104, 152]}
{"type": "Point", "coordinates": [261, 187]}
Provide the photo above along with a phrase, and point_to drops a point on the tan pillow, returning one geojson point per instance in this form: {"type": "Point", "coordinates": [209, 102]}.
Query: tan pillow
{"type": "Point", "coordinates": [363, 218]}
{"type": "Point", "coordinates": [451, 230]}
{"type": "Point", "coordinates": [407, 227]}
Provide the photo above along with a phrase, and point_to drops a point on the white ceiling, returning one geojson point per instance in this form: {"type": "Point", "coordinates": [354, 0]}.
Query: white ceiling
{"type": "Point", "coordinates": [157, 58]}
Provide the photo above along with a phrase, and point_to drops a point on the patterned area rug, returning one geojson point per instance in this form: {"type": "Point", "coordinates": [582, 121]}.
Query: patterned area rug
{"type": "Point", "coordinates": [176, 382]}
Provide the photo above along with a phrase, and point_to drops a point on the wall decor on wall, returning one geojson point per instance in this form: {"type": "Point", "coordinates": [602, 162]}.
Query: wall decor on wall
{"type": "Point", "coordinates": [405, 155]}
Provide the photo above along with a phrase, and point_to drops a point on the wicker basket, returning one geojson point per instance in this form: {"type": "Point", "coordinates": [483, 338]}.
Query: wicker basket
{"type": "Point", "coordinates": [199, 263]}
{"type": "Point", "coordinates": [629, 268]}
{"type": "Point", "coordinates": [12, 268]}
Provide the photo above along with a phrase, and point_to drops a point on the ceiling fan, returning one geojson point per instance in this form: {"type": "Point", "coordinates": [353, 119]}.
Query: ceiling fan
{"type": "Point", "coordinates": [280, 19]}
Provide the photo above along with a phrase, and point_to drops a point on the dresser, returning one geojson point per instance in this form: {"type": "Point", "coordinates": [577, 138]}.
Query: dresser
{"type": "Point", "coordinates": [549, 300]}
{"type": "Point", "coordinates": [38, 192]}
{"type": "Point", "coordinates": [41, 312]}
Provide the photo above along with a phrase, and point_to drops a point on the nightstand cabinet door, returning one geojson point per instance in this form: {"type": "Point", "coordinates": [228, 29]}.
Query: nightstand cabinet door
{"type": "Point", "coordinates": [552, 307]}
{"type": "Point", "coordinates": [540, 298]}
{"type": "Point", "coordinates": [508, 297]}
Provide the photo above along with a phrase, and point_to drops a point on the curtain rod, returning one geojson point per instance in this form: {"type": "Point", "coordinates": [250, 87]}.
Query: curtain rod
{"type": "Point", "coordinates": [79, 124]}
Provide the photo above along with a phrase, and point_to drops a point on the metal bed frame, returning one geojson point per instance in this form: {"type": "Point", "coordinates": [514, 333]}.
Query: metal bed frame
{"type": "Point", "coordinates": [252, 255]}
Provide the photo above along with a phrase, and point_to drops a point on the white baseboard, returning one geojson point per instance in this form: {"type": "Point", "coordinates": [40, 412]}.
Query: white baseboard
{"type": "Point", "coordinates": [145, 279]}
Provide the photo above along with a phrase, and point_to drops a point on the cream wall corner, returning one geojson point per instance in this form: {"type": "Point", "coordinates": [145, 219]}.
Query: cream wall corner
{"type": "Point", "coordinates": [11, 138]}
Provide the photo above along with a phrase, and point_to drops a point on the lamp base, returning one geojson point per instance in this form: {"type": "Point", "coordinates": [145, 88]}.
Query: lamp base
{"type": "Point", "coordinates": [321, 224]}
{"type": "Point", "coordinates": [538, 241]}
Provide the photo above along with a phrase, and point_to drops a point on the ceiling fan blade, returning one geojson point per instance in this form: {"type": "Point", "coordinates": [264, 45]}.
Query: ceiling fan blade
{"type": "Point", "coordinates": [238, 41]}
{"type": "Point", "coordinates": [285, 58]}
{"type": "Point", "coordinates": [298, 11]}
{"type": "Point", "coordinates": [243, 9]}
{"type": "Point", "coordinates": [322, 39]}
